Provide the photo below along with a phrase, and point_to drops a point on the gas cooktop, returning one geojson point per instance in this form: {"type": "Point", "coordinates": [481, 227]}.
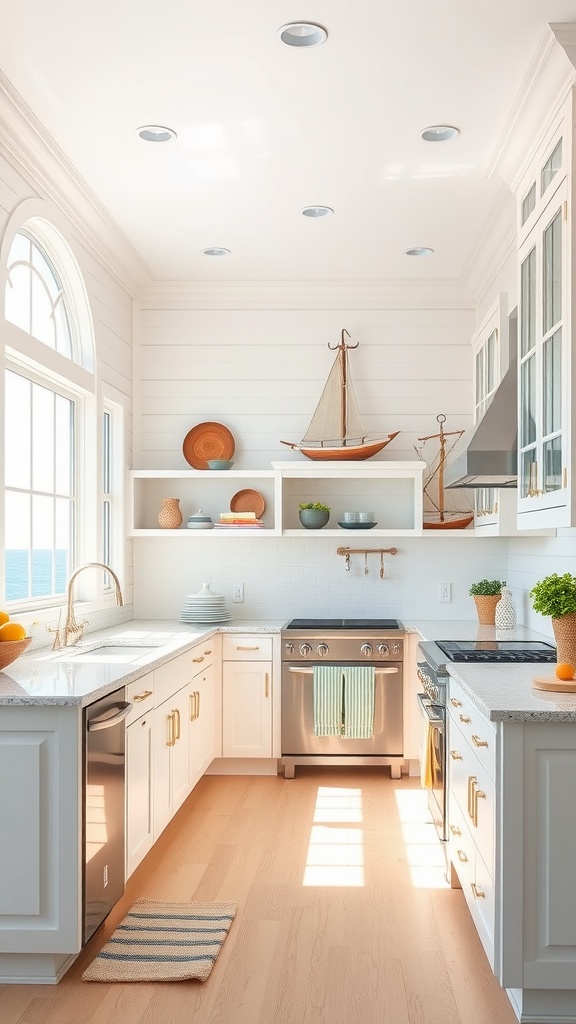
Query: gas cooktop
{"type": "Point", "coordinates": [497, 650]}
{"type": "Point", "coordinates": [343, 624]}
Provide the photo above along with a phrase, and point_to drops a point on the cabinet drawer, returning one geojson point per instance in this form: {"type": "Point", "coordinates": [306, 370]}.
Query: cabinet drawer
{"type": "Point", "coordinates": [175, 674]}
{"type": "Point", "coordinates": [140, 693]}
{"type": "Point", "coordinates": [479, 732]}
{"type": "Point", "coordinates": [236, 647]}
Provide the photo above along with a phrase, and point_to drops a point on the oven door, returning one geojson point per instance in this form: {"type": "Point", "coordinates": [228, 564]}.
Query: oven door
{"type": "Point", "coordinates": [433, 760]}
{"type": "Point", "coordinates": [298, 737]}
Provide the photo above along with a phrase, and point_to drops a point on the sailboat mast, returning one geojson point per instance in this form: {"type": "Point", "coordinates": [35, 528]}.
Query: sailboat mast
{"type": "Point", "coordinates": [343, 357]}
{"type": "Point", "coordinates": [441, 468]}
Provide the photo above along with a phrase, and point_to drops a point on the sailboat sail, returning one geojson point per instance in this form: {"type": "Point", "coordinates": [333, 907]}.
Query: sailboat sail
{"type": "Point", "coordinates": [336, 430]}
{"type": "Point", "coordinates": [332, 422]}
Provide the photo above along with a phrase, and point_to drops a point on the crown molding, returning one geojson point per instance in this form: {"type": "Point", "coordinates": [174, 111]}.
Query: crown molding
{"type": "Point", "coordinates": [548, 81]}
{"type": "Point", "coordinates": [306, 295]}
{"type": "Point", "coordinates": [52, 176]}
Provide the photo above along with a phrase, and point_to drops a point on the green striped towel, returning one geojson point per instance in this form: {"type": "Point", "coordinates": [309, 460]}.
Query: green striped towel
{"type": "Point", "coordinates": [327, 691]}
{"type": "Point", "coordinates": [358, 701]}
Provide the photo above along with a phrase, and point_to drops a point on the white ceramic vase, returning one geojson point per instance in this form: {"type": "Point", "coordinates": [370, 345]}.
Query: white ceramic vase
{"type": "Point", "coordinates": [505, 613]}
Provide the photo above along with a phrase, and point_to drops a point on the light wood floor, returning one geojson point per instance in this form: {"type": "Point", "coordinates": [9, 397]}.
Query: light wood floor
{"type": "Point", "coordinates": [386, 942]}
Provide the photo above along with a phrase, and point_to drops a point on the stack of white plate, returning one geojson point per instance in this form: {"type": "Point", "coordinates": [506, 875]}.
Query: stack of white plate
{"type": "Point", "coordinates": [205, 606]}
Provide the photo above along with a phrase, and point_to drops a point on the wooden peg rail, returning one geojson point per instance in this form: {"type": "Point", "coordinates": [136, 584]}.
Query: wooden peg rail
{"type": "Point", "coordinates": [347, 552]}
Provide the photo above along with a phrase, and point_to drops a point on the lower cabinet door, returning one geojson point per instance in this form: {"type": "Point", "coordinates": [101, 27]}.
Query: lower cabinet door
{"type": "Point", "coordinates": [246, 709]}
{"type": "Point", "coordinates": [139, 821]}
{"type": "Point", "coordinates": [201, 725]}
{"type": "Point", "coordinates": [171, 755]}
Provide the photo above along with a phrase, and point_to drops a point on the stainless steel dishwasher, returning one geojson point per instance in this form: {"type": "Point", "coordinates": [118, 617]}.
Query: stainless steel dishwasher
{"type": "Point", "coordinates": [103, 817]}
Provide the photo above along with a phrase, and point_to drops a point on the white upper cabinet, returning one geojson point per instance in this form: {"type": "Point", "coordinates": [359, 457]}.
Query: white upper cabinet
{"type": "Point", "coordinates": [546, 294]}
{"type": "Point", "coordinates": [490, 348]}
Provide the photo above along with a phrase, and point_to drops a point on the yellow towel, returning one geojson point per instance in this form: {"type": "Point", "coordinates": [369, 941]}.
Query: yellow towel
{"type": "Point", "coordinates": [429, 762]}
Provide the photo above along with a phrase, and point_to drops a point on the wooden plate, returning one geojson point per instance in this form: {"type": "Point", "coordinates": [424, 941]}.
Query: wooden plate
{"type": "Point", "coordinates": [248, 501]}
{"type": "Point", "coordinates": [207, 441]}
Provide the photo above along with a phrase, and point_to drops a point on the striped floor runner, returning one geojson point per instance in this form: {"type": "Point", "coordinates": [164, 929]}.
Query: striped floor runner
{"type": "Point", "coordinates": [164, 942]}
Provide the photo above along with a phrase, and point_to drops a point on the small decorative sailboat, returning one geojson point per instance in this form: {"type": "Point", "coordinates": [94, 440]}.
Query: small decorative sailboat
{"type": "Point", "coordinates": [336, 430]}
{"type": "Point", "coordinates": [439, 517]}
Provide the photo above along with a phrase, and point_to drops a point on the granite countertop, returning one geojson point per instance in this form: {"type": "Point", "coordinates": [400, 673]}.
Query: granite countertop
{"type": "Point", "coordinates": [42, 677]}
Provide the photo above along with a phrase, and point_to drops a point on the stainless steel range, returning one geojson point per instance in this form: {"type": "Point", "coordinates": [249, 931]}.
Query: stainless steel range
{"type": "Point", "coordinates": [364, 663]}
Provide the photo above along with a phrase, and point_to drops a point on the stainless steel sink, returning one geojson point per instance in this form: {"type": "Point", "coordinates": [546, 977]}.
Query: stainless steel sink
{"type": "Point", "coordinates": [112, 649]}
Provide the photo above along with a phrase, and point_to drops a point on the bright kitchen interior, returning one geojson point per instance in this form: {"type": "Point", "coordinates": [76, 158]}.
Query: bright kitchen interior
{"type": "Point", "coordinates": [226, 202]}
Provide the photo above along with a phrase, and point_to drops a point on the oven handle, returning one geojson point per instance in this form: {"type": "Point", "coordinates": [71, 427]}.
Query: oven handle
{"type": "Point", "coordinates": [389, 670]}
{"type": "Point", "coordinates": [427, 707]}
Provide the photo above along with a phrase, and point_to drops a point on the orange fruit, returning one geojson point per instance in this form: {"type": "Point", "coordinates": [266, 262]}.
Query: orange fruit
{"type": "Point", "coordinates": [3, 618]}
{"type": "Point", "coordinates": [12, 631]}
{"type": "Point", "coordinates": [563, 670]}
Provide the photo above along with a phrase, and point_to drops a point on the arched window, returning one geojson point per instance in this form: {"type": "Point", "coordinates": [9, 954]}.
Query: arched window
{"type": "Point", "coordinates": [50, 417]}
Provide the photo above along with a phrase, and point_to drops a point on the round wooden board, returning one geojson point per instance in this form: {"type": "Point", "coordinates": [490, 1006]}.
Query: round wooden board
{"type": "Point", "coordinates": [207, 441]}
{"type": "Point", "coordinates": [554, 684]}
{"type": "Point", "coordinates": [248, 500]}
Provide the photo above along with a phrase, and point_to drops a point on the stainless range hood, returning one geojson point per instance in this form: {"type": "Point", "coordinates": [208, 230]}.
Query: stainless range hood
{"type": "Point", "coordinates": [490, 459]}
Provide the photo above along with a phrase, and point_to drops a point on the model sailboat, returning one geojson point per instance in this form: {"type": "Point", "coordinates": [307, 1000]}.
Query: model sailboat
{"type": "Point", "coordinates": [440, 517]}
{"type": "Point", "coordinates": [336, 430]}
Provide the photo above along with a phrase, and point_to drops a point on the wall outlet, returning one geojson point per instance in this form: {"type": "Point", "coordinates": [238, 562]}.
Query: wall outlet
{"type": "Point", "coordinates": [445, 593]}
{"type": "Point", "coordinates": [238, 591]}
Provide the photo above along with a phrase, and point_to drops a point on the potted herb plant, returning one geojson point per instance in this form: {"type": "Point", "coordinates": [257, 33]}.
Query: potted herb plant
{"type": "Point", "coordinates": [486, 594]}
{"type": "Point", "coordinates": [556, 596]}
{"type": "Point", "coordinates": [313, 515]}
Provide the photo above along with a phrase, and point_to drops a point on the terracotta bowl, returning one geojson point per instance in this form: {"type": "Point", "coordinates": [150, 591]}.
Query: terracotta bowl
{"type": "Point", "coordinates": [12, 649]}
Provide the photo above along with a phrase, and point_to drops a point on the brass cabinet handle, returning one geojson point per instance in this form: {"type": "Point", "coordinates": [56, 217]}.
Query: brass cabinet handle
{"type": "Point", "coordinates": [193, 706]}
{"type": "Point", "coordinates": [197, 703]}
{"type": "Point", "coordinates": [266, 685]}
{"type": "Point", "coordinates": [455, 830]}
{"type": "Point", "coordinates": [197, 660]}
{"type": "Point", "coordinates": [255, 648]}
{"type": "Point", "coordinates": [142, 696]}
{"type": "Point", "coordinates": [478, 894]}
{"type": "Point", "coordinates": [462, 856]}
{"type": "Point", "coordinates": [471, 783]}
{"type": "Point", "coordinates": [465, 719]}
{"type": "Point", "coordinates": [207, 653]}
{"type": "Point", "coordinates": [478, 794]}
{"type": "Point", "coordinates": [143, 722]}
{"type": "Point", "coordinates": [455, 755]}
{"type": "Point", "coordinates": [455, 703]}
{"type": "Point", "coordinates": [478, 742]}
{"type": "Point", "coordinates": [171, 737]}
{"type": "Point", "coordinates": [176, 714]}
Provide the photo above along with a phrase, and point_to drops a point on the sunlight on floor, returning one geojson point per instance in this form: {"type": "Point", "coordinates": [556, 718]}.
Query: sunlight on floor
{"type": "Point", "coordinates": [424, 854]}
{"type": "Point", "coordinates": [335, 852]}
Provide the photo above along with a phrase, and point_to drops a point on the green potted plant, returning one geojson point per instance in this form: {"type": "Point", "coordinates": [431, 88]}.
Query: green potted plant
{"type": "Point", "coordinates": [556, 596]}
{"type": "Point", "coordinates": [486, 594]}
{"type": "Point", "coordinates": [313, 515]}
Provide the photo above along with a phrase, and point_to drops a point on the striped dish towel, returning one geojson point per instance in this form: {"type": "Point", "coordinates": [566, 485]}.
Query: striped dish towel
{"type": "Point", "coordinates": [358, 702]}
{"type": "Point", "coordinates": [327, 690]}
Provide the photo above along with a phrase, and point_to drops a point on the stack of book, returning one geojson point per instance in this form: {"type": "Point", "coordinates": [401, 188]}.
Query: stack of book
{"type": "Point", "coordinates": [239, 520]}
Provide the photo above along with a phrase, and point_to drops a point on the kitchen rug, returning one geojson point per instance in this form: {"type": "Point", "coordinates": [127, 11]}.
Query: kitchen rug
{"type": "Point", "coordinates": [164, 942]}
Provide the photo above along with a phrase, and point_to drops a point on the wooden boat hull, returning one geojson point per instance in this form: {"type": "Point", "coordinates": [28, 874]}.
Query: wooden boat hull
{"type": "Point", "coordinates": [343, 453]}
{"type": "Point", "coordinates": [458, 523]}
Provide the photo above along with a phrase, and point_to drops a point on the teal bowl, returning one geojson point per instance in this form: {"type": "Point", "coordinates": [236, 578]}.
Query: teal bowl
{"type": "Point", "coordinates": [219, 464]}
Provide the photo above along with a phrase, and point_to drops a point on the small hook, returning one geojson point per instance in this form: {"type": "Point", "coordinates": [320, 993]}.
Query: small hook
{"type": "Point", "coordinates": [347, 561]}
{"type": "Point", "coordinates": [365, 563]}
{"type": "Point", "coordinates": [381, 565]}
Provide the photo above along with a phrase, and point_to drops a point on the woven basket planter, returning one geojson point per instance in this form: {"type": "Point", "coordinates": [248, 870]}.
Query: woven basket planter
{"type": "Point", "coordinates": [486, 608]}
{"type": "Point", "coordinates": [565, 636]}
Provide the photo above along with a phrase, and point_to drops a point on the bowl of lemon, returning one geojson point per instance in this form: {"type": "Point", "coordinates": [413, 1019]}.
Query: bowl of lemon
{"type": "Point", "coordinates": [13, 640]}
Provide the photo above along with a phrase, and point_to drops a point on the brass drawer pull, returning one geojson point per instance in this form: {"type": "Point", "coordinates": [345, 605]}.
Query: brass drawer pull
{"type": "Point", "coordinates": [197, 660]}
{"type": "Point", "coordinates": [455, 703]}
{"type": "Point", "coordinates": [266, 685]}
{"type": "Point", "coordinates": [197, 703]}
{"type": "Point", "coordinates": [171, 737]}
{"type": "Point", "coordinates": [455, 830]}
{"type": "Point", "coordinates": [455, 755]}
{"type": "Point", "coordinates": [255, 648]}
{"type": "Point", "coordinates": [462, 856]}
{"type": "Point", "coordinates": [465, 719]}
{"type": "Point", "coordinates": [478, 894]}
{"type": "Point", "coordinates": [478, 794]}
{"type": "Point", "coordinates": [142, 696]}
{"type": "Point", "coordinates": [478, 742]}
{"type": "Point", "coordinates": [176, 714]}
{"type": "Point", "coordinates": [472, 780]}
{"type": "Point", "coordinates": [207, 653]}
{"type": "Point", "coordinates": [193, 715]}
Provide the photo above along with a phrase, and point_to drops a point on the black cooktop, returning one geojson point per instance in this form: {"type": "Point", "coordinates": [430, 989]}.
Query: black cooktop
{"type": "Point", "coordinates": [343, 624]}
{"type": "Point", "coordinates": [497, 650]}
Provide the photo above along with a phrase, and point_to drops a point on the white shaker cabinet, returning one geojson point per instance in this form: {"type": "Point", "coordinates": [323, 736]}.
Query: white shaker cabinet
{"type": "Point", "coordinates": [246, 696]}
{"type": "Point", "coordinates": [171, 758]}
{"type": "Point", "coordinates": [546, 298]}
{"type": "Point", "coordinates": [202, 710]}
{"type": "Point", "coordinates": [139, 766]}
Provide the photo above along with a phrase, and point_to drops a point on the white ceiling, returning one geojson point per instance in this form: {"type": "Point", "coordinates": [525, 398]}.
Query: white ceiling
{"type": "Point", "coordinates": [265, 129]}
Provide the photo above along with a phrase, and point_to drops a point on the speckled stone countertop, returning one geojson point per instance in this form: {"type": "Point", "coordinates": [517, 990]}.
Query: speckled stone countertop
{"type": "Point", "coordinates": [45, 677]}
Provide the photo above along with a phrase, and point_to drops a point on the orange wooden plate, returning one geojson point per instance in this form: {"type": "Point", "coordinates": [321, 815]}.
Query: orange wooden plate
{"type": "Point", "coordinates": [207, 441]}
{"type": "Point", "coordinates": [248, 501]}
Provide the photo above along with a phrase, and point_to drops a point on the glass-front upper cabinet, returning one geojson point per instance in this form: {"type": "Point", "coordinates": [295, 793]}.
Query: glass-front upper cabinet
{"type": "Point", "coordinates": [543, 342]}
{"type": "Point", "coordinates": [490, 347]}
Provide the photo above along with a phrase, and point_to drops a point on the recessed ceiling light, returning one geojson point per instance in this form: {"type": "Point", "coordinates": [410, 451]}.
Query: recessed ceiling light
{"type": "Point", "coordinates": [439, 133]}
{"type": "Point", "coordinates": [302, 33]}
{"type": "Point", "coordinates": [216, 250]}
{"type": "Point", "coordinates": [419, 250]}
{"type": "Point", "coordinates": [317, 211]}
{"type": "Point", "coordinates": [156, 133]}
